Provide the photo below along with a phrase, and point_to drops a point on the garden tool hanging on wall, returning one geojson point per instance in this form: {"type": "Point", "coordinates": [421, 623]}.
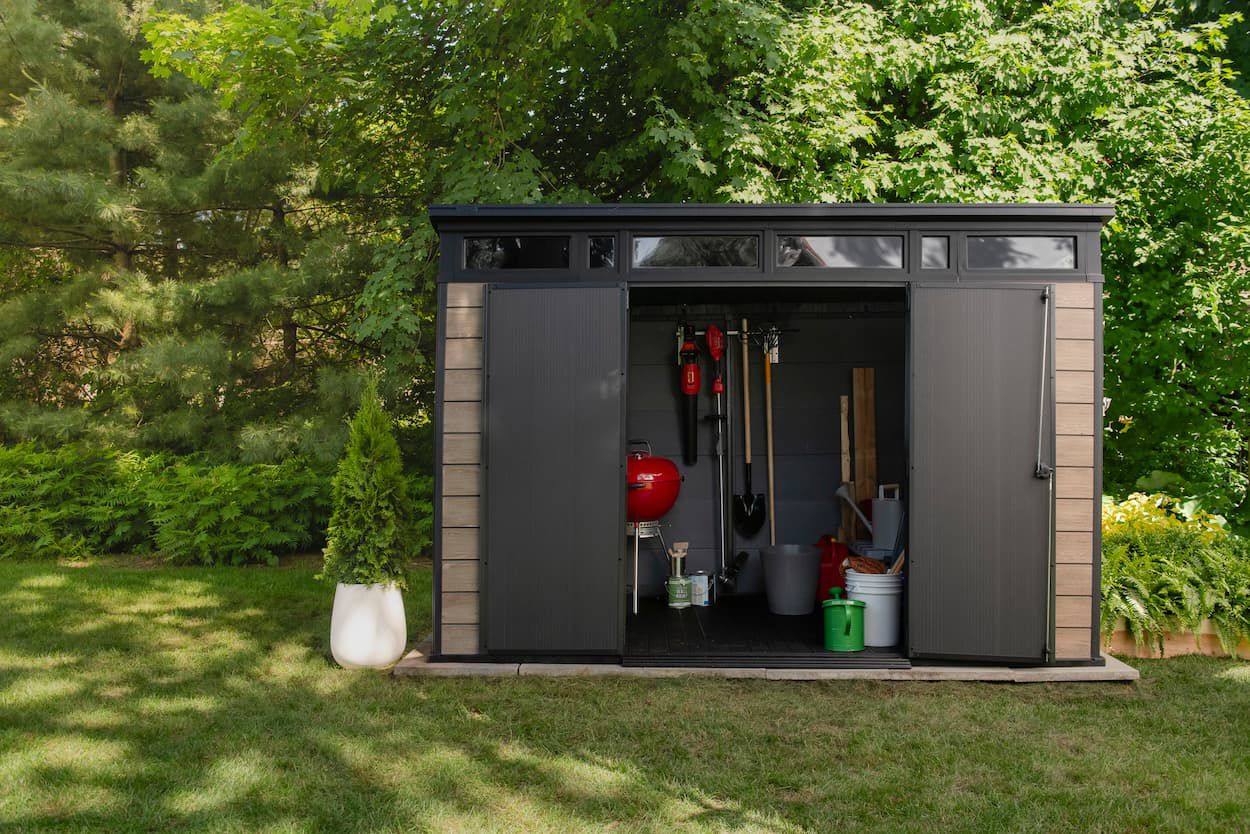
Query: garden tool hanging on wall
{"type": "Point", "coordinates": [771, 339]}
{"type": "Point", "coordinates": [749, 507]}
{"type": "Point", "coordinates": [715, 338]}
{"type": "Point", "coordinates": [690, 384]}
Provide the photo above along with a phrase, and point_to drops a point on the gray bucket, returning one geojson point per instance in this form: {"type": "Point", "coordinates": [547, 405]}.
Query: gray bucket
{"type": "Point", "coordinates": [791, 573]}
{"type": "Point", "coordinates": [887, 518]}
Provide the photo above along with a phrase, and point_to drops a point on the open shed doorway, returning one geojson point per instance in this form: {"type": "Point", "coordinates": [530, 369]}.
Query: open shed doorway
{"type": "Point", "coordinates": [824, 333]}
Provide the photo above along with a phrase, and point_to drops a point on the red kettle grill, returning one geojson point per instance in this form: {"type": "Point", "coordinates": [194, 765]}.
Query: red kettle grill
{"type": "Point", "coordinates": [651, 484]}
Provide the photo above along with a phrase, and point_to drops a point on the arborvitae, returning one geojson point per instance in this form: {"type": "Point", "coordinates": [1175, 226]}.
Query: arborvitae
{"type": "Point", "coordinates": [162, 290]}
{"type": "Point", "coordinates": [370, 538]}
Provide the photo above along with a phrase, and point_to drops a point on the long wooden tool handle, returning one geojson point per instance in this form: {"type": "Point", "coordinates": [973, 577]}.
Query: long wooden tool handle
{"type": "Point", "coordinates": [746, 391]}
{"type": "Point", "coordinates": [768, 424]}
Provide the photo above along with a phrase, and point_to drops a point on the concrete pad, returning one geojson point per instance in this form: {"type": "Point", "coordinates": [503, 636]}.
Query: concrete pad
{"type": "Point", "coordinates": [916, 673]}
{"type": "Point", "coordinates": [566, 670]}
{"type": "Point", "coordinates": [1114, 671]}
{"type": "Point", "coordinates": [418, 664]}
{"type": "Point", "coordinates": [458, 670]}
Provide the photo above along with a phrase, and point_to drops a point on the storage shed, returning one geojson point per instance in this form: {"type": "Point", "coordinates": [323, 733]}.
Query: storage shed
{"type": "Point", "coordinates": [955, 350]}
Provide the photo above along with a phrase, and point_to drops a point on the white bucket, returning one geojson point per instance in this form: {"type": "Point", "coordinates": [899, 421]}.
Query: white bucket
{"type": "Point", "coordinates": [882, 595]}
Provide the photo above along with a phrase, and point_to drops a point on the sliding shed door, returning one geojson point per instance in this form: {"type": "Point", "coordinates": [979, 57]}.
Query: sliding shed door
{"type": "Point", "coordinates": [555, 456]}
{"type": "Point", "coordinates": [980, 533]}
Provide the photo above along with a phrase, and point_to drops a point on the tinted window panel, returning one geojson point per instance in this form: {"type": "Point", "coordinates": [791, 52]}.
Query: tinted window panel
{"type": "Point", "coordinates": [697, 250]}
{"type": "Point", "coordinates": [935, 253]}
{"type": "Point", "coordinates": [536, 252]}
{"type": "Point", "coordinates": [1021, 252]}
{"type": "Point", "coordinates": [841, 251]}
{"type": "Point", "coordinates": [602, 252]}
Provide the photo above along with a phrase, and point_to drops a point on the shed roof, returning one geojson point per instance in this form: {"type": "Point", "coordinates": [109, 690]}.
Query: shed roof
{"type": "Point", "coordinates": [600, 212]}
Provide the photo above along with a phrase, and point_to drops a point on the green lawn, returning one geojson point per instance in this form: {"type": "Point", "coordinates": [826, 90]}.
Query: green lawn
{"type": "Point", "coordinates": [203, 699]}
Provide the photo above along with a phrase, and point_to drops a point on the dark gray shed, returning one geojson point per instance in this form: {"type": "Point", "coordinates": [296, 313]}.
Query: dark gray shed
{"type": "Point", "coordinates": [556, 347]}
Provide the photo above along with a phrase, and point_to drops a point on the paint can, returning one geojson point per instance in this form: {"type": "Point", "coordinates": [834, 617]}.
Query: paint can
{"type": "Point", "coordinates": [700, 589]}
{"type": "Point", "coordinates": [678, 591]}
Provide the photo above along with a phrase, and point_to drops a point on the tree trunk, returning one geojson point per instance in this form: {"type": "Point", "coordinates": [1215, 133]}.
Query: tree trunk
{"type": "Point", "coordinates": [123, 254]}
{"type": "Point", "coordinates": [290, 333]}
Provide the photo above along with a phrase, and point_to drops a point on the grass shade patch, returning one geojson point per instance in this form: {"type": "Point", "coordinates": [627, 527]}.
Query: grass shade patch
{"type": "Point", "coordinates": [204, 699]}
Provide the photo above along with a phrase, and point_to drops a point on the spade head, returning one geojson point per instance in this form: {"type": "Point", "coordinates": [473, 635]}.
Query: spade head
{"type": "Point", "coordinates": [749, 513]}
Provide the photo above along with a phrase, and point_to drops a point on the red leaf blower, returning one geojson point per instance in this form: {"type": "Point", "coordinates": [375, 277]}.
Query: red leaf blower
{"type": "Point", "coordinates": [690, 383]}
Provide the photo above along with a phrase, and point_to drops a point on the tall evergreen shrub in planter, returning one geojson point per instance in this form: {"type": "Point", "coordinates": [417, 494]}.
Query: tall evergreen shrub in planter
{"type": "Point", "coordinates": [367, 543]}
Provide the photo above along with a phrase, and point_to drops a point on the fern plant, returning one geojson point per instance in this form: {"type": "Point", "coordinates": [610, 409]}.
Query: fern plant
{"type": "Point", "coordinates": [1166, 573]}
{"type": "Point", "coordinates": [234, 514]}
{"type": "Point", "coordinates": [371, 534]}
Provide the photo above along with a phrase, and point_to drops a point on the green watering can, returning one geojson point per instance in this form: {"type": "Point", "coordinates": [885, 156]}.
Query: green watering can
{"type": "Point", "coordinates": [844, 623]}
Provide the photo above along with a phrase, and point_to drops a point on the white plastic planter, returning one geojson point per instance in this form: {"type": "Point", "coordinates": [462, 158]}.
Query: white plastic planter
{"type": "Point", "coordinates": [367, 626]}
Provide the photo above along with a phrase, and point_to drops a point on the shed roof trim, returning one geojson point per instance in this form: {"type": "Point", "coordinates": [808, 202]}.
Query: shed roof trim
{"type": "Point", "coordinates": [799, 211]}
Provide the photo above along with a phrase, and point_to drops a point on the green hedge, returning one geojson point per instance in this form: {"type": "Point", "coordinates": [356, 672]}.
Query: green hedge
{"type": "Point", "coordinates": [233, 514]}
{"type": "Point", "coordinates": [73, 501]}
{"type": "Point", "coordinates": [1164, 570]}
{"type": "Point", "coordinates": [70, 501]}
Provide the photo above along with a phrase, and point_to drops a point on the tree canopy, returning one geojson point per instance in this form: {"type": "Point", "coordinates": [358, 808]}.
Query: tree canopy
{"type": "Point", "coordinates": [352, 116]}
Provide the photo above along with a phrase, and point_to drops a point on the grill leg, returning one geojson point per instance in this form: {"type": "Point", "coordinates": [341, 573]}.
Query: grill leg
{"type": "Point", "coordinates": [636, 537]}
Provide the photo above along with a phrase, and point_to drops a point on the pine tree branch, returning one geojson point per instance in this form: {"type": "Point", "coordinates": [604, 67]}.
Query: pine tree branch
{"type": "Point", "coordinates": [80, 244]}
{"type": "Point", "coordinates": [340, 337]}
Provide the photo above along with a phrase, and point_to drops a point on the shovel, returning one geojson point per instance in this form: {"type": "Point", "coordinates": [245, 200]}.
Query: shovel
{"type": "Point", "coordinates": [749, 508]}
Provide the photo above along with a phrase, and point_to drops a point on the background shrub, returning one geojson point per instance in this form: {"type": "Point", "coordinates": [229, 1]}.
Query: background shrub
{"type": "Point", "coordinates": [71, 501]}
{"type": "Point", "coordinates": [1165, 571]}
{"type": "Point", "coordinates": [75, 501]}
{"type": "Point", "coordinates": [232, 514]}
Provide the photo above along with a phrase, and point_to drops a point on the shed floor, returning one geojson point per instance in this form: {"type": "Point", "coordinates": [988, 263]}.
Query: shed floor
{"type": "Point", "coordinates": [739, 632]}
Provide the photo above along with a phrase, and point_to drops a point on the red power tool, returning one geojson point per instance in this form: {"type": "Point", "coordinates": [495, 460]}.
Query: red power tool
{"type": "Point", "coordinates": [690, 383]}
{"type": "Point", "coordinates": [716, 349]}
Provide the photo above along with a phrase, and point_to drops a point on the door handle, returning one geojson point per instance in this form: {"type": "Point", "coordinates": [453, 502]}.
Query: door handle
{"type": "Point", "coordinates": [1043, 470]}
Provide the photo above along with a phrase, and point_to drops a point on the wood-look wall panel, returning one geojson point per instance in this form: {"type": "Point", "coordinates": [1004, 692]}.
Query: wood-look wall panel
{"type": "Point", "coordinates": [1074, 354]}
{"type": "Point", "coordinates": [1074, 547]}
{"type": "Point", "coordinates": [462, 511]}
{"type": "Point", "coordinates": [1073, 323]}
{"type": "Point", "coordinates": [1074, 418]}
{"type": "Point", "coordinates": [461, 543]}
{"type": "Point", "coordinates": [462, 386]}
{"type": "Point", "coordinates": [1073, 612]}
{"type": "Point", "coordinates": [1074, 387]}
{"type": "Point", "coordinates": [462, 480]}
{"type": "Point", "coordinates": [465, 295]}
{"type": "Point", "coordinates": [460, 608]}
{"type": "Point", "coordinates": [460, 576]}
{"type": "Point", "coordinates": [462, 448]}
{"type": "Point", "coordinates": [1075, 295]}
{"type": "Point", "coordinates": [1073, 450]}
{"type": "Point", "coordinates": [1074, 482]}
{"type": "Point", "coordinates": [463, 353]}
{"type": "Point", "coordinates": [460, 639]}
{"type": "Point", "coordinates": [1073, 643]}
{"type": "Point", "coordinates": [1074, 580]}
{"type": "Point", "coordinates": [462, 418]}
{"type": "Point", "coordinates": [463, 322]}
{"type": "Point", "coordinates": [1074, 515]}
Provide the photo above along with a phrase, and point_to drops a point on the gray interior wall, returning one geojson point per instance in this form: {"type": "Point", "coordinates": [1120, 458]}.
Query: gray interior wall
{"type": "Point", "coordinates": [815, 370]}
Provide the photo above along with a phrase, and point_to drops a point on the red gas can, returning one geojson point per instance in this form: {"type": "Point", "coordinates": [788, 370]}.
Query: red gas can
{"type": "Point", "coordinates": [832, 554]}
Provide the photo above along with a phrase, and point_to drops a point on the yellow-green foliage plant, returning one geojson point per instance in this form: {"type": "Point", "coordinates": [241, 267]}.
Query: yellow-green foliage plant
{"type": "Point", "coordinates": [1167, 567]}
